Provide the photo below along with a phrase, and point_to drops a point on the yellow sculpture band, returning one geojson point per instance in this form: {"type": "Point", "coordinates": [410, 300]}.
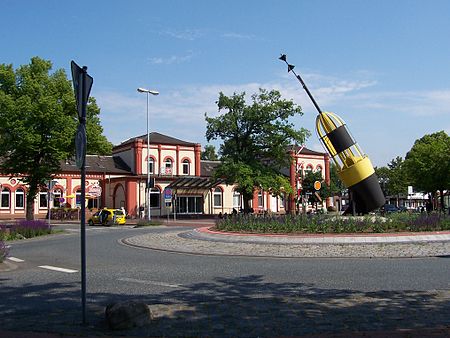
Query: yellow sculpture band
{"type": "Point", "coordinates": [356, 172]}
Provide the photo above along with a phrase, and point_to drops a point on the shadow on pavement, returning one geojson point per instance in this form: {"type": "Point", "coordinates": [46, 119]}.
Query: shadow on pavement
{"type": "Point", "coordinates": [246, 306]}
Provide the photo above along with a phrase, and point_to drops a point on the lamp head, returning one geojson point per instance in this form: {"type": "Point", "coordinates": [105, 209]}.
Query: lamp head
{"type": "Point", "coordinates": [143, 90]}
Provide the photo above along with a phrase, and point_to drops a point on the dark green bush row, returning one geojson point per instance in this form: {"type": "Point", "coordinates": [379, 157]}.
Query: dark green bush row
{"type": "Point", "coordinates": [334, 224]}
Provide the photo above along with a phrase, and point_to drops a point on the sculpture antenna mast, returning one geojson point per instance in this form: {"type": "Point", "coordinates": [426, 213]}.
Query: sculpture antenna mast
{"type": "Point", "coordinates": [291, 69]}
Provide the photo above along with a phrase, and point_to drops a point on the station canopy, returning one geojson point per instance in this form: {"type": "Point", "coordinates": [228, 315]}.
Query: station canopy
{"type": "Point", "coordinates": [195, 183]}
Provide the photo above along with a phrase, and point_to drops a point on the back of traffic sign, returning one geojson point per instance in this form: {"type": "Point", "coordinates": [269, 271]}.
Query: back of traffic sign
{"type": "Point", "coordinates": [82, 85]}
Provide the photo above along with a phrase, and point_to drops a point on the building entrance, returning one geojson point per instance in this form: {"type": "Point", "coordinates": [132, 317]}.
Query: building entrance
{"type": "Point", "coordinates": [189, 204]}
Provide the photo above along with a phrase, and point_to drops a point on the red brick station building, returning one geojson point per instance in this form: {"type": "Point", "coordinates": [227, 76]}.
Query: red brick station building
{"type": "Point", "coordinates": [173, 164]}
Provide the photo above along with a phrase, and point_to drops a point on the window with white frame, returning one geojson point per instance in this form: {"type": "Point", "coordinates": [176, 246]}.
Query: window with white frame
{"type": "Point", "coordinates": [217, 197]}
{"type": "Point", "coordinates": [20, 199]}
{"type": "Point", "coordinates": [186, 167]}
{"type": "Point", "coordinates": [78, 198]}
{"type": "Point", "coordinates": [151, 165]}
{"type": "Point", "coordinates": [236, 199]}
{"type": "Point", "coordinates": [57, 194]}
{"type": "Point", "coordinates": [168, 165]}
{"type": "Point", "coordinates": [260, 199]}
{"type": "Point", "coordinates": [43, 197]}
{"type": "Point", "coordinates": [5, 200]}
{"type": "Point", "coordinates": [155, 197]}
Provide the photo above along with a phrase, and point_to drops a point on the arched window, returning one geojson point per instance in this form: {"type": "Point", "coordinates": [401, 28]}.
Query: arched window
{"type": "Point", "coordinates": [168, 165]}
{"type": "Point", "coordinates": [260, 199]}
{"type": "Point", "coordinates": [20, 199]}
{"type": "Point", "coordinates": [217, 196]}
{"type": "Point", "coordinates": [186, 167]}
{"type": "Point", "coordinates": [151, 165]}
{"type": "Point", "coordinates": [5, 200]}
{"type": "Point", "coordinates": [319, 169]}
{"type": "Point", "coordinates": [57, 194]}
{"type": "Point", "coordinates": [78, 198]}
{"type": "Point", "coordinates": [43, 198]}
{"type": "Point", "coordinates": [155, 197]}
{"type": "Point", "coordinates": [236, 199]}
{"type": "Point", "coordinates": [309, 168]}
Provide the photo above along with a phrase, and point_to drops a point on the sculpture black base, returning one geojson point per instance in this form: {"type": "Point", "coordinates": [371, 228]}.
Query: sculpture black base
{"type": "Point", "coordinates": [366, 196]}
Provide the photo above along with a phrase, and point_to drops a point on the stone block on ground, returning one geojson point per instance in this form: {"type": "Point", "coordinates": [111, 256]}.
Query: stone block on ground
{"type": "Point", "coordinates": [126, 315]}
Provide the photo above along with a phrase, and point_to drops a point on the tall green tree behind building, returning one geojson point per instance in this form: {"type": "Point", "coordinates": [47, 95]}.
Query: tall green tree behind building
{"type": "Point", "coordinates": [255, 140]}
{"type": "Point", "coordinates": [38, 124]}
{"type": "Point", "coordinates": [427, 164]}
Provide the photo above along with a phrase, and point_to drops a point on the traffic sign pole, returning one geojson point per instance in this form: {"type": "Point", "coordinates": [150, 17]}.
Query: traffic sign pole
{"type": "Point", "coordinates": [82, 84]}
{"type": "Point", "coordinates": [83, 205]}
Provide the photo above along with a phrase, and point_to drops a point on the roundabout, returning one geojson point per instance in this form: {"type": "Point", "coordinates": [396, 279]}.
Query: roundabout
{"type": "Point", "coordinates": [203, 241]}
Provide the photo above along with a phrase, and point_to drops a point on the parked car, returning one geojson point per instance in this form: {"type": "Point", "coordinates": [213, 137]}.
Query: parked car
{"type": "Point", "coordinates": [389, 208]}
{"type": "Point", "coordinates": [108, 217]}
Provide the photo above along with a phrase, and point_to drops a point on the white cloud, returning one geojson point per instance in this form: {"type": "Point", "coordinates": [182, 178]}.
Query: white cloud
{"type": "Point", "coordinates": [240, 36]}
{"type": "Point", "coordinates": [373, 116]}
{"type": "Point", "coordinates": [186, 34]}
{"type": "Point", "coordinates": [173, 59]}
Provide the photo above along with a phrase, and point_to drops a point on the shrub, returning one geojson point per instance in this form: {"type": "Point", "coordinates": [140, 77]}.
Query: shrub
{"type": "Point", "coordinates": [31, 228]}
{"type": "Point", "coordinates": [146, 223]}
{"type": "Point", "coordinates": [334, 224]}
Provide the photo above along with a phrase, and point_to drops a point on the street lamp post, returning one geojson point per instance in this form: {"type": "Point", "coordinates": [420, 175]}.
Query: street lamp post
{"type": "Point", "coordinates": [147, 190]}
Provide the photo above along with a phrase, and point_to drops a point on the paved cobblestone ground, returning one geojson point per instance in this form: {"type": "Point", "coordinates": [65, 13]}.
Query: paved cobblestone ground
{"type": "Point", "coordinates": [197, 242]}
{"type": "Point", "coordinates": [249, 307]}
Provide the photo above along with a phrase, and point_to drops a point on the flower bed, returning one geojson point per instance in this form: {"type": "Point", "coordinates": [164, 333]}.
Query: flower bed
{"type": "Point", "coordinates": [334, 224]}
{"type": "Point", "coordinates": [24, 229]}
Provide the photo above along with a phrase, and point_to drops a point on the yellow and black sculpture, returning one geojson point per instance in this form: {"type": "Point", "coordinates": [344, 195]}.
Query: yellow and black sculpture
{"type": "Point", "coordinates": [354, 167]}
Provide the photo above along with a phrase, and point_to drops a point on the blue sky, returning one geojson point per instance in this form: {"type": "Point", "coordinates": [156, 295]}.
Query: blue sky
{"type": "Point", "coordinates": [383, 66]}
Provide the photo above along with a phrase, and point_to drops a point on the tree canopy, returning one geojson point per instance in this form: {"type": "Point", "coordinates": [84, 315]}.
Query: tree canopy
{"type": "Point", "coordinates": [256, 138]}
{"type": "Point", "coordinates": [209, 153]}
{"type": "Point", "coordinates": [39, 121]}
{"type": "Point", "coordinates": [427, 164]}
{"type": "Point", "coordinates": [394, 179]}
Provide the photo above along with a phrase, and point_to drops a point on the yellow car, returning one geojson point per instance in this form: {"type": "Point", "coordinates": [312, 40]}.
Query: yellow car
{"type": "Point", "coordinates": [108, 217]}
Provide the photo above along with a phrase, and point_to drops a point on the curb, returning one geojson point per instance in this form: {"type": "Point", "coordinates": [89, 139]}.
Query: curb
{"type": "Point", "coordinates": [206, 233]}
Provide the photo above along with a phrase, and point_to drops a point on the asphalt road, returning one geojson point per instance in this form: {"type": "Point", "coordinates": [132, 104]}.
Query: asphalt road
{"type": "Point", "coordinates": [118, 272]}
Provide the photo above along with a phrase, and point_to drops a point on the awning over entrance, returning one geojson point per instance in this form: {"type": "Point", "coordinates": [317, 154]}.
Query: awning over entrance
{"type": "Point", "coordinates": [194, 183]}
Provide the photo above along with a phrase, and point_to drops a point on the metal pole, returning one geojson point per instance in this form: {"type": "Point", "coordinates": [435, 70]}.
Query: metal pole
{"type": "Point", "coordinates": [49, 197]}
{"type": "Point", "coordinates": [149, 217]}
{"type": "Point", "coordinates": [83, 209]}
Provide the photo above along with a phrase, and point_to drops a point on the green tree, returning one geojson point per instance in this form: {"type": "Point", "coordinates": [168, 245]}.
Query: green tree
{"type": "Point", "coordinates": [394, 178]}
{"type": "Point", "coordinates": [308, 188]}
{"type": "Point", "coordinates": [428, 164]}
{"type": "Point", "coordinates": [209, 153]}
{"type": "Point", "coordinates": [336, 185]}
{"type": "Point", "coordinates": [255, 141]}
{"type": "Point", "coordinates": [39, 121]}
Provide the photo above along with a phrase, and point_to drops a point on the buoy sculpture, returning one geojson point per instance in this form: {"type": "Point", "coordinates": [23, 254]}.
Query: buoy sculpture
{"type": "Point", "coordinates": [354, 167]}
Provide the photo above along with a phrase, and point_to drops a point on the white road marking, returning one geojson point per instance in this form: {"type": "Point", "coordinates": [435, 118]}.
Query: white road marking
{"type": "Point", "coordinates": [15, 259]}
{"type": "Point", "coordinates": [150, 282]}
{"type": "Point", "coordinates": [55, 268]}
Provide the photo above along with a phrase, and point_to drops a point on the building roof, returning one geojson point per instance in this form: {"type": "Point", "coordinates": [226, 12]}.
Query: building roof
{"type": "Point", "coordinates": [305, 151]}
{"type": "Point", "coordinates": [157, 138]}
{"type": "Point", "coordinates": [207, 168]}
{"type": "Point", "coordinates": [99, 164]}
